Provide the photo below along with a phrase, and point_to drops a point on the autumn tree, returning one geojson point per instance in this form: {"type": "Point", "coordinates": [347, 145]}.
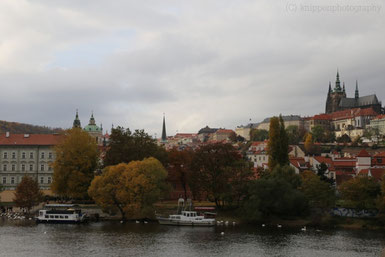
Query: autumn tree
{"type": "Point", "coordinates": [319, 193]}
{"type": "Point", "coordinates": [179, 167]}
{"type": "Point", "coordinates": [360, 192]}
{"type": "Point", "coordinates": [125, 146]}
{"type": "Point", "coordinates": [131, 188]}
{"type": "Point", "coordinates": [309, 145]}
{"type": "Point", "coordinates": [216, 168]}
{"type": "Point", "coordinates": [278, 145]}
{"type": "Point", "coordinates": [28, 193]}
{"type": "Point", "coordinates": [75, 164]}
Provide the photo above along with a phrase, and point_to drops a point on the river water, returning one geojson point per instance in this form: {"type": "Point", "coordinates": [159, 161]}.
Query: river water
{"type": "Point", "coordinates": [18, 238]}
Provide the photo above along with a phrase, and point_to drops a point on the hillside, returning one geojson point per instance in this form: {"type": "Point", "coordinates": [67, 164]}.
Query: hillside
{"type": "Point", "coordinates": [21, 128]}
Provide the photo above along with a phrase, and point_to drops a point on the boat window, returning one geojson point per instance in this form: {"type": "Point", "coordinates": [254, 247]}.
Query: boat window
{"type": "Point", "coordinates": [51, 216]}
{"type": "Point", "coordinates": [46, 216]}
{"type": "Point", "coordinates": [56, 216]}
{"type": "Point", "coordinates": [41, 213]}
{"type": "Point", "coordinates": [66, 217]}
{"type": "Point", "coordinates": [61, 217]}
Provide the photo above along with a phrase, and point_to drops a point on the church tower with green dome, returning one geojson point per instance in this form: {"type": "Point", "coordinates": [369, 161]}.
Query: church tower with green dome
{"type": "Point", "coordinates": [94, 131]}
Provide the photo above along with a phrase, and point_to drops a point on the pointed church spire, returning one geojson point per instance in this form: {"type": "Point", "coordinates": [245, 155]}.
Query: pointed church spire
{"type": "Point", "coordinates": [76, 123]}
{"type": "Point", "coordinates": [330, 88]}
{"type": "Point", "coordinates": [356, 95]}
{"type": "Point", "coordinates": [338, 83]}
{"type": "Point", "coordinates": [164, 136]}
{"type": "Point", "coordinates": [343, 87]}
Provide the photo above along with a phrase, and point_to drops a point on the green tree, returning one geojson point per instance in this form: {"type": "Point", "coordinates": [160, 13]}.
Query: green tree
{"type": "Point", "coordinates": [318, 133]}
{"type": "Point", "coordinates": [28, 193]}
{"type": "Point", "coordinates": [131, 188]}
{"type": "Point", "coordinates": [125, 146]}
{"type": "Point", "coordinates": [75, 164]}
{"type": "Point", "coordinates": [275, 195]}
{"type": "Point", "coordinates": [360, 192]}
{"type": "Point", "coordinates": [319, 193]}
{"type": "Point", "coordinates": [278, 145]}
{"type": "Point", "coordinates": [293, 134]}
{"type": "Point", "coordinates": [215, 167]}
{"type": "Point", "coordinates": [258, 134]}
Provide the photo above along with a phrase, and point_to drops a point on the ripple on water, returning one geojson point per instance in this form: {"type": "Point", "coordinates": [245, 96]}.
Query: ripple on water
{"type": "Point", "coordinates": [115, 239]}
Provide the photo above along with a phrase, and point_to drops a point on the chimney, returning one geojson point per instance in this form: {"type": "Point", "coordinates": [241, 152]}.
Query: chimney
{"type": "Point", "coordinates": [7, 134]}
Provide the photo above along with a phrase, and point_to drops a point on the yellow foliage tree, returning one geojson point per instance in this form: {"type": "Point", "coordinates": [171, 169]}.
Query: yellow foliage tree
{"type": "Point", "coordinates": [131, 188]}
{"type": "Point", "coordinates": [309, 145]}
{"type": "Point", "coordinates": [75, 164]}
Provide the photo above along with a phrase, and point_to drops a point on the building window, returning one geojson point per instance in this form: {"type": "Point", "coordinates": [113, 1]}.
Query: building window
{"type": "Point", "coordinates": [42, 155]}
{"type": "Point", "coordinates": [5, 167]}
{"type": "Point", "coordinates": [49, 155]}
{"type": "Point", "coordinates": [4, 180]}
{"type": "Point", "coordinates": [31, 167]}
{"type": "Point", "coordinates": [23, 167]}
{"type": "Point", "coordinates": [49, 168]}
{"type": "Point", "coordinates": [23, 155]}
{"type": "Point", "coordinates": [12, 180]}
{"type": "Point", "coordinates": [41, 180]}
{"type": "Point", "coordinates": [13, 167]}
{"type": "Point", "coordinates": [31, 155]}
{"type": "Point", "coordinates": [49, 180]}
{"type": "Point", "coordinates": [13, 155]}
{"type": "Point", "coordinates": [42, 167]}
{"type": "Point", "coordinates": [5, 155]}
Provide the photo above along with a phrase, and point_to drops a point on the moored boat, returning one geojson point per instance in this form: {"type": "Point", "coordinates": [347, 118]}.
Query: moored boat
{"type": "Point", "coordinates": [186, 218]}
{"type": "Point", "coordinates": [61, 213]}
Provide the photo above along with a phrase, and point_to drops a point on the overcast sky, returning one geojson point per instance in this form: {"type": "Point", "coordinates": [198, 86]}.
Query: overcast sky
{"type": "Point", "coordinates": [201, 62]}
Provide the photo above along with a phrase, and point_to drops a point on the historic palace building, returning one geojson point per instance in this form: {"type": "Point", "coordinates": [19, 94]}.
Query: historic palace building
{"type": "Point", "coordinates": [27, 154]}
{"type": "Point", "coordinates": [337, 100]}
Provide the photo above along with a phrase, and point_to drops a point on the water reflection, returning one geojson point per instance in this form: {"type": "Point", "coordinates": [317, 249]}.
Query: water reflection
{"type": "Point", "coordinates": [131, 239]}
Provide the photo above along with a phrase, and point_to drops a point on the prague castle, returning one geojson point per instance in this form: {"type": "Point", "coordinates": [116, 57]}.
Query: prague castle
{"type": "Point", "coordinates": [337, 100]}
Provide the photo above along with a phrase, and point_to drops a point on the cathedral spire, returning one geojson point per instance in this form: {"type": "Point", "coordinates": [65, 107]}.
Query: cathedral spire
{"type": "Point", "coordinates": [356, 95]}
{"type": "Point", "coordinates": [76, 123]}
{"type": "Point", "coordinates": [338, 83]}
{"type": "Point", "coordinates": [164, 136]}
{"type": "Point", "coordinates": [330, 88]}
{"type": "Point", "coordinates": [343, 87]}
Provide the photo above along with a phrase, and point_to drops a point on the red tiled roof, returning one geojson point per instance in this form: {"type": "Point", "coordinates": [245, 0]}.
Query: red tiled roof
{"type": "Point", "coordinates": [224, 131]}
{"type": "Point", "coordinates": [363, 153]}
{"type": "Point", "coordinates": [322, 117]}
{"type": "Point", "coordinates": [379, 117]}
{"type": "Point", "coordinates": [351, 113]}
{"type": "Point", "coordinates": [257, 143]}
{"type": "Point", "coordinates": [377, 173]}
{"type": "Point", "coordinates": [344, 164]}
{"type": "Point", "coordinates": [30, 139]}
{"type": "Point", "coordinates": [322, 159]}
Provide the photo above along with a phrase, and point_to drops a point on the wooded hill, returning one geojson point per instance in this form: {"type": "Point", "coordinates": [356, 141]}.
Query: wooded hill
{"type": "Point", "coordinates": [22, 128]}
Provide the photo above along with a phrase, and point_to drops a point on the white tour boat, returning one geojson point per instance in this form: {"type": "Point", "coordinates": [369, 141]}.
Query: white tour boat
{"type": "Point", "coordinates": [61, 213]}
{"type": "Point", "coordinates": [186, 217]}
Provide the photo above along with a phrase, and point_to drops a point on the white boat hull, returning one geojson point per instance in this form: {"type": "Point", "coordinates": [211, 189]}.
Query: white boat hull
{"type": "Point", "coordinates": [196, 223]}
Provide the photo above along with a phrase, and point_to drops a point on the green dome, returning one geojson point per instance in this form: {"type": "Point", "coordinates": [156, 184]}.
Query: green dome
{"type": "Point", "coordinates": [92, 127]}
